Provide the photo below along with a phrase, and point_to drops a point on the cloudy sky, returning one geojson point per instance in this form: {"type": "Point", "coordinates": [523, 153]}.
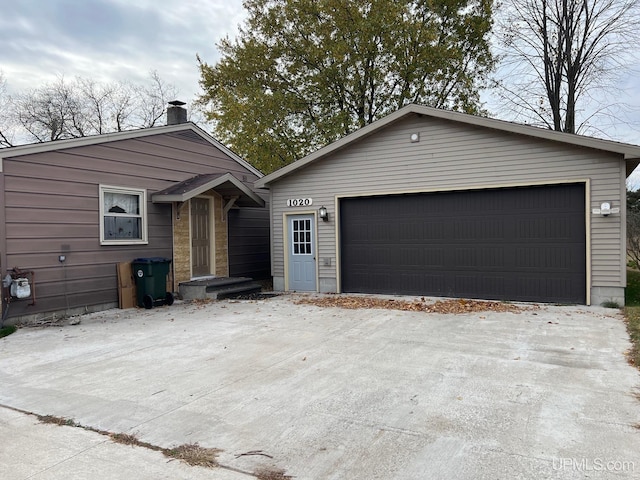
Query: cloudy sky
{"type": "Point", "coordinates": [126, 39]}
{"type": "Point", "coordinates": [112, 39]}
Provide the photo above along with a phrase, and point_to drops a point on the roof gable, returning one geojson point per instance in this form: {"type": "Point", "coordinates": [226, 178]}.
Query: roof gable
{"type": "Point", "coordinates": [197, 132]}
{"type": "Point", "coordinates": [630, 153]}
{"type": "Point", "coordinates": [225, 184]}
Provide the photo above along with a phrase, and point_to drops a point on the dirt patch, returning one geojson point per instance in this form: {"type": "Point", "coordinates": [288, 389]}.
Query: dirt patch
{"type": "Point", "coordinates": [453, 306]}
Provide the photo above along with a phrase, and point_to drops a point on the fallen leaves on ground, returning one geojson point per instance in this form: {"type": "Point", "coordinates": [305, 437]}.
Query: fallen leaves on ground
{"type": "Point", "coordinates": [451, 306]}
{"type": "Point", "coordinates": [271, 474]}
{"type": "Point", "coordinates": [193, 454]}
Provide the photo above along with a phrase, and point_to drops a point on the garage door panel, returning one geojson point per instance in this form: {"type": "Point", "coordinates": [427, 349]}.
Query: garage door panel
{"type": "Point", "coordinates": [478, 257]}
{"type": "Point", "coordinates": [514, 244]}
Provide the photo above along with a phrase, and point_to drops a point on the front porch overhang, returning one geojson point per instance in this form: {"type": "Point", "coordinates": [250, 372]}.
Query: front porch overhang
{"type": "Point", "coordinates": [232, 190]}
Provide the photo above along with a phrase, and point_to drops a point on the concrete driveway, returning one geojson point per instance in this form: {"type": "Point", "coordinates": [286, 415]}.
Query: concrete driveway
{"type": "Point", "coordinates": [324, 393]}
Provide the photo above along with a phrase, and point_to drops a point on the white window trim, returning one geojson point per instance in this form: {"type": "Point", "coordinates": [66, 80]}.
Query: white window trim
{"type": "Point", "coordinates": [143, 214]}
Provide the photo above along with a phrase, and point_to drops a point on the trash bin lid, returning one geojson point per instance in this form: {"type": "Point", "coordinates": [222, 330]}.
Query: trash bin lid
{"type": "Point", "coordinates": [152, 260]}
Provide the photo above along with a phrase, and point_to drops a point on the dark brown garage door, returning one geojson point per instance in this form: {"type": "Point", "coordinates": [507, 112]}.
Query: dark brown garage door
{"type": "Point", "coordinates": [523, 244]}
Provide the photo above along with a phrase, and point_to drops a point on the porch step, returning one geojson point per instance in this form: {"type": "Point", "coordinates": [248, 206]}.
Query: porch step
{"type": "Point", "coordinates": [218, 288]}
{"type": "Point", "coordinates": [245, 289]}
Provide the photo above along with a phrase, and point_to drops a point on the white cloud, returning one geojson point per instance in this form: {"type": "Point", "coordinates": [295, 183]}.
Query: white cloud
{"type": "Point", "coordinates": [112, 39]}
{"type": "Point", "coordinates": [124, 40]}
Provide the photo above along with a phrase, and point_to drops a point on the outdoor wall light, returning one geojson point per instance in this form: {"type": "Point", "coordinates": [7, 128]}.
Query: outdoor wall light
{"type": "Point", "coordinates": [605, 209]}
{"type": "Point", "coordinates": [323, 214]}
{"type": "Point", "coordinates": [415, 137]}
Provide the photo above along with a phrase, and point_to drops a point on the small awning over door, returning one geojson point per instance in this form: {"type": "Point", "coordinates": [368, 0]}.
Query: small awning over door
{"type": "Point", "coordinates": [225, 184]}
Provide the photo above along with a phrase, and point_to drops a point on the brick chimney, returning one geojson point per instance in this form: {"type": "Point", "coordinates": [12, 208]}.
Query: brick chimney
{"type": "Point", "coordinates": [176, 113]}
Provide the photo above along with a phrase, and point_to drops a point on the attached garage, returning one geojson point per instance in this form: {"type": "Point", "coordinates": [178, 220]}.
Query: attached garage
{"type": "Point", "coordinates": [436, 203]}
{"type": "Point", "coordinates": [525, 243]}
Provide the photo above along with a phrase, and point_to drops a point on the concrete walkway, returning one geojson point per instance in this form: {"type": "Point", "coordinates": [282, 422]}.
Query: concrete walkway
{"type": "Point", "coordinates": [323, 393]}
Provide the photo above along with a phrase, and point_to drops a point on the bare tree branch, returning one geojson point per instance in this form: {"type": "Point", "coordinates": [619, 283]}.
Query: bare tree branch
{"type": "Point", "coordinates": [152, 100]}
{"type": "Point", "coordinates": [5, 121]}
{"type": "Point", "coordinates": [557, 52]}
{"type": "Point", "coordinates": [70, 109]}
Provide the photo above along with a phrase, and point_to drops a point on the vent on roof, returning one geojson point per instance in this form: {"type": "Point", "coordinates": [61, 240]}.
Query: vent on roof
{"type": "Point", "coordinates": [191, 136]}
{"type": "Point", "coordinates": [176, 113]}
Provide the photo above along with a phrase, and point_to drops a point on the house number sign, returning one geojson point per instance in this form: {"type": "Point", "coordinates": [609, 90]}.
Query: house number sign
{"type": "Point", "coordinates": [299, 202]}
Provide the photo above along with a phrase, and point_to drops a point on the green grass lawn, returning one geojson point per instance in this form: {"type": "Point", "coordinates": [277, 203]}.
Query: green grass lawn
{"type": "Point", "coordinates": [632, 314]}
{"type": "Point", "coordinates": [8, 330]}
{"type": "Point", "coordinates": [632, 293]}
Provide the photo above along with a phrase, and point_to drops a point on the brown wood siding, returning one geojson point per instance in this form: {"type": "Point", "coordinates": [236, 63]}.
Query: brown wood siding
{"type": "Point", "coordinates": [453, 156]}
{"type": "Point", "coordinates": [3, 242]}
{"type": "Point", "coordinates": [51, 204]}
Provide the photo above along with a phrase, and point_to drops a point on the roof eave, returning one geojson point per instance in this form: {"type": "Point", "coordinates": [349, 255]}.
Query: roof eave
{"type": "Point", "coordinates": [331, 148]}
{"type": "Point", "coordinates": [629, 152]}
{"type": "Point", "coordinates": [217, 182]}
{"type": "Point", "coordinates": [631, 164]}
{"type": "Point", "coordinates": [21, 150]}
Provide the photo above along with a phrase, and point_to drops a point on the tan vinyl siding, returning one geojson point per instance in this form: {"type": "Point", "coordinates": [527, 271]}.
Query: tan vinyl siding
{"type": "Point", "coordinates": [450, 156]}
{"type": "Point", "coordinates": [51, 203]}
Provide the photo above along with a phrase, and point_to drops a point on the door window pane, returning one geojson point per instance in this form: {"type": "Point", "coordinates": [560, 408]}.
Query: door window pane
{"type": "Point", "coordinates": [301, 237]}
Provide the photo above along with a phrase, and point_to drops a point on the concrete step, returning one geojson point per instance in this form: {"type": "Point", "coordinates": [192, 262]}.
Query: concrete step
{"type": "Point", "coordinates": [245, 289]}
{"type": "Point", "coordinates": [217, 281]}
{"type": "Point", "coordinates": [217, 288]}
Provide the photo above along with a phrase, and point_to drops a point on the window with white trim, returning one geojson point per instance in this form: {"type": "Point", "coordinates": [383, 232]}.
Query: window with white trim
{"type": "Point", "coordinates": [123, 216]}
